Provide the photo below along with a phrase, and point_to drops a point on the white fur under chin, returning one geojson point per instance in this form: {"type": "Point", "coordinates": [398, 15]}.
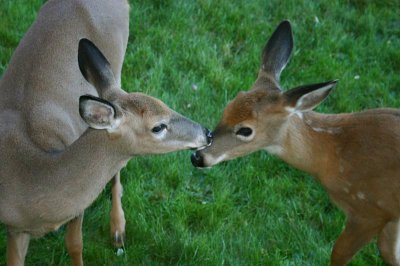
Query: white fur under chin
{"type": "Point", "coordinates": [274, 149]}
{"type": "Point", "coordinates": [213, 161]}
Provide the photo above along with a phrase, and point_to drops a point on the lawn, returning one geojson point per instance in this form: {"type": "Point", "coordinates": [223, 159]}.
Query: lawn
{"type": "Point", "coordinates": [196, 56]}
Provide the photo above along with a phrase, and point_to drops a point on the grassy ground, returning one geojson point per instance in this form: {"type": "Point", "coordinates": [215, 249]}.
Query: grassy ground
{"type": "Point", "coordinates": [255, 210]}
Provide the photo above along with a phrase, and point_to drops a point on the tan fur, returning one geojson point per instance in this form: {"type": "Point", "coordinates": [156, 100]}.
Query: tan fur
{"type": "Point", "coordinates": [52, 166]}
{"type": "Point", "coordinates": [32, 89]}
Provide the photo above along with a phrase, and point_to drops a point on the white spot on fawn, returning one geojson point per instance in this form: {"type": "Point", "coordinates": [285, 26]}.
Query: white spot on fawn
{"type": "Point", "coordinates": [341, 168]}
{"type": "Point", "coordinates": [327, 130]}
{"type": "Point", "coordinates": [381, 203]}
{"type": "Point", "coordinates": [361, 195]}
{"type": "Point", "coordinates": [316, 129]}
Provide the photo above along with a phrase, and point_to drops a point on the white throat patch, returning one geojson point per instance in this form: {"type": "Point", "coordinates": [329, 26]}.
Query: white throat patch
{"type": "Point", "coordinates": [274, 149]}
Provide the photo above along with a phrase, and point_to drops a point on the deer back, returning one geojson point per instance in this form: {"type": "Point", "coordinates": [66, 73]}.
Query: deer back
{"type": "Point", "coordinates": [42, 83]}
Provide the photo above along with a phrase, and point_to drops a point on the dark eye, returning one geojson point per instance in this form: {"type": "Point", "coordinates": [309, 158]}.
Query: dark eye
{"type": "Point", "coordinates": [244, 131]}
{"type": "Point", "coordinates": [159, 128]}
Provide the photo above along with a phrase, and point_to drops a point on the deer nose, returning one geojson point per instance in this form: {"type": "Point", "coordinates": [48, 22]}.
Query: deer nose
{"type": "Point", "coordinates": [197, 159]}
{"type": "Point", "coordinates": [209, 136]}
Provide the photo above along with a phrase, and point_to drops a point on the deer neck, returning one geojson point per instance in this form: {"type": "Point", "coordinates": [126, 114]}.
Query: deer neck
{"type": "Point", "coordinates": [94, 149]}
{"type": "Point", "coordinates": [308, 143]}
{"type": "Point", "coordinates": [90, 161]}
{"type": "Point", "coordinates": [69, 181]}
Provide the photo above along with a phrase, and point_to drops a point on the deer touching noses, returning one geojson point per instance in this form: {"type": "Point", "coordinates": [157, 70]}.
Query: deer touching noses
{"type": "Point", "coordinates": [196, 158]}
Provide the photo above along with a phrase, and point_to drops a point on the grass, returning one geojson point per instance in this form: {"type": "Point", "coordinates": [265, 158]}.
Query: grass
{"type": "Point", "coordinates": [254, 210]}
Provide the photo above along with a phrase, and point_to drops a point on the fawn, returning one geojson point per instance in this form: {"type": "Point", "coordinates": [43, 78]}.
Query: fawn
{"type": "Point", "coordinates": [355, 156]}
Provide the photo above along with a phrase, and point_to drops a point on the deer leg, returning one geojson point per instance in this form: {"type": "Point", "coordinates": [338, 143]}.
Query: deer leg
{"type": "Point", "coordinates": [389, 243]}
{"type": "Point", "coordinates": [73, 240]}
{"type": "Point", "coordinates": [117, 216]}
{"type": "Point", "coordinates": [17, 246]}
{"type": "Point", "coordinates": [355, 235]}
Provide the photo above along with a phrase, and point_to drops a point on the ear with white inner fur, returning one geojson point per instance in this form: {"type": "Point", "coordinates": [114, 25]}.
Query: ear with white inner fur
{"type": "Point", "coordinates": [306, 98]}
{"type": "Point", "coordinates": [98, 113]}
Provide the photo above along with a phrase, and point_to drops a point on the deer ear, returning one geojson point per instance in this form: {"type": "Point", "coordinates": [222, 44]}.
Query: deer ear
{"type": "Point", "coordinates": [95, 67]}
{"type": "Point", "coordinates": [277, 51]}
{"type": "Point", "coordinates": [307, 97]}
{"type": "Point", "coordinates": [98, 113]}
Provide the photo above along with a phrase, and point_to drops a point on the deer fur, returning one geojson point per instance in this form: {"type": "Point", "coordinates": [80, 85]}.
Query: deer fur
{"type": "Point", "coordinates": [44, 55]}
{"type": "Point", "coordinates": [354, 156]}
{"type": "Point", "coordinates": [67, 127]}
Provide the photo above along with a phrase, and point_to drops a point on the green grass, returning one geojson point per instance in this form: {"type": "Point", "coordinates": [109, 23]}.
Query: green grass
{"type": "Point", "coordinates": [255, 210]}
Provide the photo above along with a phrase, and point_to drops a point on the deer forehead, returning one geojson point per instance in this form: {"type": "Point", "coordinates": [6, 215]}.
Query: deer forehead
{"type": "Point", "coordinates": [247, 106]}
{"type": "Point", "coordinates": [147, 106]}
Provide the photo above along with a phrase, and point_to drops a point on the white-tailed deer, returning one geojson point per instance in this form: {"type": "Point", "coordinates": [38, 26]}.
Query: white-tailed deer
{"type": "Point", "coordinates": [66, 126]}
{"type": "Point", "coordinates": [355, 156]}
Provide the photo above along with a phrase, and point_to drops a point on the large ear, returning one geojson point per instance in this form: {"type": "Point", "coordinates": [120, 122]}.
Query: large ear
{"type": "Point", "coordinates": [98, 113]}
{"type": "Point", "coordinates": [307, 97]}
{"type": "Point", "coordinates": [277, 51]}
{"type": "Point", "coordinates": [95, 67]}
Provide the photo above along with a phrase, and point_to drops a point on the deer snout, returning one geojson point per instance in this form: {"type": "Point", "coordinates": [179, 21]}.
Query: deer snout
{"type": "Point", "coordinates": [197, 159]}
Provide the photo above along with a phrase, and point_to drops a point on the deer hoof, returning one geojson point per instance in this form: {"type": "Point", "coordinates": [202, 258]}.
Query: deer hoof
{"type": "Point", "coordinates": [119, 240]}
{"type": "Point", "coordinates": [119, 252]}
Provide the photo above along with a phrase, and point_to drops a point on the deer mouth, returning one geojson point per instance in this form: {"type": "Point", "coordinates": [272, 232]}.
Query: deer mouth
{"type": "Point", "coordinates": [209, 139]}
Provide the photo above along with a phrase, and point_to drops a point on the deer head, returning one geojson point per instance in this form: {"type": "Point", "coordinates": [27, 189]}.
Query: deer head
{"type": "Point", "coordinates": [257, 119]}
{"type": "Point", "coordinates": [143, 124]}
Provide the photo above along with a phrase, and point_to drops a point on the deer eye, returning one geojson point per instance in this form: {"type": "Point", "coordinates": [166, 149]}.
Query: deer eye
{"type": "Point", "coordinates": [244, 131]}
{"type": "Point", "coordinates": [159, 128]}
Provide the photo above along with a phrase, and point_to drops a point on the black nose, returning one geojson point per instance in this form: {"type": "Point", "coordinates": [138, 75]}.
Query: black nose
{"type": "Point", "coordinates": [197, 159]}
{"type": "Point", "coordinates": [209, 136]}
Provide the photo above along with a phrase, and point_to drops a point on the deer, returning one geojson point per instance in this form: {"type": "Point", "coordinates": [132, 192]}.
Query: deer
{"type": "Point", "coordinates": [51, 44]}
{"type": "Point", "coordinates": [354, 156]}
{"type": "Point", "coordinates": [67, 127]}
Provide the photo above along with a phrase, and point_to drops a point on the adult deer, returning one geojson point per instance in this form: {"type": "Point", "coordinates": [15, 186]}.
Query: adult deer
{"type": "Point", "coordinates": [44, 69]}
{"type": "Point", "coordinates": [354, 156]}
{"type": "Point", "coordinates": [60, 143]}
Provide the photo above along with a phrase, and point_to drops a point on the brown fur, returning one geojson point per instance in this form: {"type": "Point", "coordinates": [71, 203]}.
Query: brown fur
{"type": "Point", "coordinates": [354, 156]}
